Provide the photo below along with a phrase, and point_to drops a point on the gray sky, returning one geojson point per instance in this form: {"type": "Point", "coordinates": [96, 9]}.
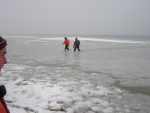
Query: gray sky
{"type": "Point", "coordinates": [74, 17]}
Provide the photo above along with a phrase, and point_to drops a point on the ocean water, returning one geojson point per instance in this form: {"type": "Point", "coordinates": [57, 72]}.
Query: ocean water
{"type": "Point", "coordinates": [111, 61]}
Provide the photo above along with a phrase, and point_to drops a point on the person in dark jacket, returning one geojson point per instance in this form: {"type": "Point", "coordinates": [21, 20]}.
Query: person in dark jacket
{"type": "Point", "coordinates": [3, 61]}
{"type": "Point", "coordinates": [76, 44]}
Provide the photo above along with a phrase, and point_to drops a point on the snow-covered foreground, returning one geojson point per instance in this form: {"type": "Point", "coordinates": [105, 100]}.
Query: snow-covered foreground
{"type": "Point", "coordinates": [50, 92]}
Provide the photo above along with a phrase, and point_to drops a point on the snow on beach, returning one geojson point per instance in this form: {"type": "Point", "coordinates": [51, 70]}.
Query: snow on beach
{"type": "Point", "coordinates": [50, 92]}
{"type": "Point", "coordinates": [34, 86]}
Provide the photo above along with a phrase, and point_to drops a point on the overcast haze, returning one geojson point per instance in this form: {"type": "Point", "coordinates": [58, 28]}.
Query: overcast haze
{"type": "Point", "coordinates": [74, 17]}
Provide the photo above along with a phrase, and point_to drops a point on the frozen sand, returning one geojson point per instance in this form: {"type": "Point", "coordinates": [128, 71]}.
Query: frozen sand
{"type": "Point", "coordinates": [54, 81]}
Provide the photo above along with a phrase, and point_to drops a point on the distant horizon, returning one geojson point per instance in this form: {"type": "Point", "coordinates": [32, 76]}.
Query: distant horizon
{"type": "Point", "coordinates": [92, 35]}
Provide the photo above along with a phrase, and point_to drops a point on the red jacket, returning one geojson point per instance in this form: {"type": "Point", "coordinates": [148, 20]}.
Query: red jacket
{"type": "Point", "coordinates": [3, 106]}
{"type": "Point", "coordinates": [66, 42]}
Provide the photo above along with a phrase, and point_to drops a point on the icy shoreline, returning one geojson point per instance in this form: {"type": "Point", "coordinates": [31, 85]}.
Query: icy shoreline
{"type": "Point", "coordinates": [50, 92]}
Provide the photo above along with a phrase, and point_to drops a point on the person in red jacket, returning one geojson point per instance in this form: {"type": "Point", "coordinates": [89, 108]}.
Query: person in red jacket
{"type": "Point", "coordinates": [3, 60]}
{"type": "Point", "coordinates": [67, 43]}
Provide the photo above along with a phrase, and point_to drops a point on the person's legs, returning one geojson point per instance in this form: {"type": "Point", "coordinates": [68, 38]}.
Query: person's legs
{"type": "Point", "coordinates": [67, 48]}
{"type": "Point", "coordinates": [75, 48]}
{"type": "Point", "coordinates": [78, 48]}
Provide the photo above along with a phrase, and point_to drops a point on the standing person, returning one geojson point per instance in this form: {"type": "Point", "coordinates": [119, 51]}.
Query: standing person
{"type": "Point", "coordinates": [67, 43]}
{"type": "Point", "coordinates": [3, 60]}
{"type": "Point", "coordinates": [76, 44]}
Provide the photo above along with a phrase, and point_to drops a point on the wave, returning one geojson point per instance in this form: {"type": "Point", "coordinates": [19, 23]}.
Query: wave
{"type": "Point", "coordinates": [100, 40]}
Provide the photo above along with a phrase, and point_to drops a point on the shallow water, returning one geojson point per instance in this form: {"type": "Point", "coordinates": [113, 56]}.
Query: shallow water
{"type": "Point", "coordinates": [126, 64]}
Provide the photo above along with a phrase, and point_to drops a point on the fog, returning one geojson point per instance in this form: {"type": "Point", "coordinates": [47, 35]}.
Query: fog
{"type": "Point", "coordinates": [74, 17]}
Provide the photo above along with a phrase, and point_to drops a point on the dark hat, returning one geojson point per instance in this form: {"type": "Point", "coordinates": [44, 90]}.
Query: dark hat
{"type": "Point", "coordinates": [3, 43]}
